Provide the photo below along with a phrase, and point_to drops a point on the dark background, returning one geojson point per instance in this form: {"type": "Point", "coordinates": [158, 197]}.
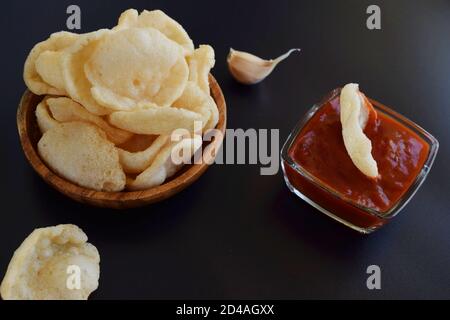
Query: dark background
{"type": "Point", "coordinates": [234, 233]}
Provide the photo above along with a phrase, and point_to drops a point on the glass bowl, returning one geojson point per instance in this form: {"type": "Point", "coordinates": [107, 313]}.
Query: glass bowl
{"type": "Point", "coordinates": [335, 205]}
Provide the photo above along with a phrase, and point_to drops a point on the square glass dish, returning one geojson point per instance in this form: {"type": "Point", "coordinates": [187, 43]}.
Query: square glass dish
{"type": "Point", "coordinates": [363, 205]}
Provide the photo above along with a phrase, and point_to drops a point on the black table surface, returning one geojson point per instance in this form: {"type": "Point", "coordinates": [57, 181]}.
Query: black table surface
{"type": "Point", "coordinates": [235, 233]}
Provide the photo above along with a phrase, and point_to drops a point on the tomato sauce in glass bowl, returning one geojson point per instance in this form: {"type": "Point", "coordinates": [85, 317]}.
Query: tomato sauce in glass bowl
{"type": "Point", "coordinates": [319, 170]}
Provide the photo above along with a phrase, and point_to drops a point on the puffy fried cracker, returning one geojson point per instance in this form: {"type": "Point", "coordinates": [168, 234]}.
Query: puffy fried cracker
{"type": "Point", "coordinates": [44, 119]}
{"type": "Point", "coordinates": [354, 115]}
{"type": "Point", "coordinates": [56, 43]}
{"type": "Point", "coordinates": [158, 20]}
{"type": "Point", "coordinates": [136, 162]}
{"type": "Point", "coordinates": [168, 161]}
{"type": "Point", "coordinates": [138, 143]}
{"type": "Point", "coordinates": [136, 66]}
{"type": "Point", "coordinates": [200, 64]}
{"type": "Point", "coordinates": [66, 110]}
{"type": "Point", "coordinates": [72, 63]}
{"type": "Point", "coordinates": [195, 100]}
{"type": "Point", "coordinates": [135, 85]}
{"type": "Point", "coordinates": [214, 119]}
{"type": "Point", "coordinates": [81, 153]}
{"type": "Point", "coordinates": [39, 268]}
{"type": "Point", "coordinates": [48, 66]}
{"type": "Point", "coordinates": [368, 113]}
{"type": "Point", "coordinates": [155, 120]}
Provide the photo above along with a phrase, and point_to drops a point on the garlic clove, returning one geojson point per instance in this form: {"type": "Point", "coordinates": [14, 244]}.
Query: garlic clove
{"type": "Point", "coordinates": [247, 68]}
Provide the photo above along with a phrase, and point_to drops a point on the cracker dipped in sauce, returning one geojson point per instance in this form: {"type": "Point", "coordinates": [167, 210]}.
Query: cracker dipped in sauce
{"type": "Point", "coordinates": [319, 149]}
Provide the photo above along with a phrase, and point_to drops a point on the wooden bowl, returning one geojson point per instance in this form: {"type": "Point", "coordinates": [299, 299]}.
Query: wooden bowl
{"type": "Point", "coordinates": [30, 134]}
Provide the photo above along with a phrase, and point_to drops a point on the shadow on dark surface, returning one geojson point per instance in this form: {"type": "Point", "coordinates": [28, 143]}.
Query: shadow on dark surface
{"type": "Point", "coordinates": [317, 230]}
{"type": "Point", "coordinates": [145, 222]}
{"type": "Point", "coordinates": [239, 90]}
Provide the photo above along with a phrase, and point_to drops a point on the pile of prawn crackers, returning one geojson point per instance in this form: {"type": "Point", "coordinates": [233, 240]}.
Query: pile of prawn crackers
{"type": "Point", "coordinates": [113, 99]}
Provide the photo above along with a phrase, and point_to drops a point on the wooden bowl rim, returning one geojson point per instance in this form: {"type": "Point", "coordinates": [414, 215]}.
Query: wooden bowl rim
{"type": "Point", "coordinates": [69, 188]}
